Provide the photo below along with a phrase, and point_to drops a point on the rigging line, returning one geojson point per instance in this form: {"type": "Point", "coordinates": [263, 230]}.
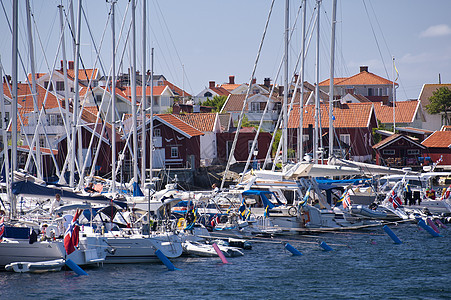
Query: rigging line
{"type": "Point", "coordinates": [170, 35]}
{"type": "Point", "coordinates": [240, 120]}
{"type": "Point", "coordinates": [385, 42]}
{"type": "Point", "coordinates": [254, 143]}
{"type": "Point", "coordinates": [40, 114]}
{"type": "Point", "coordinates": [167, 46]}
{"type": "Point", "coordinates": [172, 41]}
{"type": "Point", "coordinates": [375, 38]}
{"type": "Point", "coordinates": [162, 55]}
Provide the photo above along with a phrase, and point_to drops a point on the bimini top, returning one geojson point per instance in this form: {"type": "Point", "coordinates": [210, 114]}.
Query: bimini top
{"type": "Point", "coordinates": [264, 197]}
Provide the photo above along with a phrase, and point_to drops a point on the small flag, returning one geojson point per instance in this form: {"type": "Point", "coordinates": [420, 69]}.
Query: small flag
{"type": "Point", "coordinates": [346, 200]}
{"type": "Point", "coordinates": [396, 70]}
{"type": "Point", "coordinates": [2, 229]}
{"type": "Point", "coordinates": [395, 200]}
{"type": "Point", "coordinates": [71, 234]}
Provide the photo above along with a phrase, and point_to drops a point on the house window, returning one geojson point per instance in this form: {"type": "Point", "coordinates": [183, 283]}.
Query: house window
{"type": "Point", "coordinates": [55, 120]}
{"type": "Point", "coordinates": [370, 91]}
{"type": "Point", "coordinates": [98, 99]}
{"type": "Point", "coordinates": [46, 84]}
{"type": "Point", "coordinates": [413, 151]}
{"type": "Point", "coordinates": [305, 137]}
{"type": "Point", "coordinates": [6, 119]}
{"type": "Point", "coordinates": [208, 94]}
{"type": "Point", "coordinates": [249, 146]}
{"type": "Point", "coordinates": [256, 91]}
{"type": "Point", "coordinates": [345, 138]}
{"type": "Point", "coordinates": [41, 142]}
{"type": "Point", "coordinates": [174, 152]}
{"type": "Point", "coordinates": [388, 152]}
{"type": "Point", "coordinates": [60, 85]}
{"type": "Point", "coordinates": [157, 132]}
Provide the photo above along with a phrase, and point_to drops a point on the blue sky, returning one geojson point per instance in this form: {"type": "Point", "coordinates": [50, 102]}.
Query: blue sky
{"type": "Point", "coordinates": [208, 40]}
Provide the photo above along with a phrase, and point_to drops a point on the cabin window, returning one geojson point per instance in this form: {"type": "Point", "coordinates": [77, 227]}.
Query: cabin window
{"type": "Point", "coordinates": [346, 138]}
{"type": "Point", "coordinates": [388, 151]}
{"type": "Point", "coordinates": [174, 152]}
{"type": "Point", "coordinates": [157, 132]}
{"type": "Point", "coordinates": [413, 151]}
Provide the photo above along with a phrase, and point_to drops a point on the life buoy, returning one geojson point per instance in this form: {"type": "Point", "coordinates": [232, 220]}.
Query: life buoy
{"type": "Point", "coordinates": [181, 223]}
{"type": "Point", "coordinates": [52, 231]}
{"type": "Point", "coordinates": [292, 211]}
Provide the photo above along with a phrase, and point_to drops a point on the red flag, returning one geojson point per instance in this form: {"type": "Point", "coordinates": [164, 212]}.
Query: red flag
{"type": "Point", "coordinates": [395, 200]}
{"type": "Point", "coordinates": [71, 235]}
{"type": "Point", "coordinates": [2, 230]}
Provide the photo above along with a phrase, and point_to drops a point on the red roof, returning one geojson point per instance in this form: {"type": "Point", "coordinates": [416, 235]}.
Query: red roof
{"type": "Point", "coordinates": [351, 115]}
{"type": "Point", "coordinates": [25, 99]}
{"type": "Point", "coordinates": [173, 121]}
{"type": "Point", "coordinates": [230, 86]}
{"type": "Point", "coordinates": [405, 111]}
{"type": "Point", "coordinates": [83, 74]}
{"type": "Point", "coordinates": [235, 102]}
{"type": "Point", "coordinates": [220, 91]}
{"type": "Point", "coordinates": [439, 139]}
{"type": "Point", "coordinates": [204, 122]}
{"type": "Point", "coordinates": [176, 90]}
{"type": "Point", "coordinates": [362, 78]}
{"type": "Point", "coordinates": [157, 90]}
{"type": "Point", "coordinates": [43, 150]}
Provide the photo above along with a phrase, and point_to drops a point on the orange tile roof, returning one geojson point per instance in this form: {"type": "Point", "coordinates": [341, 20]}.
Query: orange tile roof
{"type": "Point", "coordinates": [157, 90]}
{"type": "Point", "coordinates": [404, 111]}
{"type": "Point", "coordinates": [446, 128]}
{"type": "Point", "coordinates": [179, 124]}
{"type": "Point", "coordinates": [204, 122]}
{"type": "Point", "coordinates": [387, 140]}
{"type": "Point", "coordinates": [43, 150]}
{"type": "Point", "coordinates": [220, 91]}
{"type": "Point", "coordinates": [439, 139]}
{"type": "Point", "coordinates": [25, 99]}
{"type": "Point", "coordinates": [352, 115]}
{"type": "Point", "coordinates": [83, 74]}
{"type": "Point", "coordinates": [175, 89]}
{"type": "Point", "coordinates": [428, 90]}
{"type": "Point", "coordinates": [362, 78]}
{"type": "Point", "coordinates": [230, 86]}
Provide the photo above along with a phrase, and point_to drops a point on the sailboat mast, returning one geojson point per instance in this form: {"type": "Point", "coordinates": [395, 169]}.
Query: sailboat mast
{"type": "Point", "coordinates": [34, 90]}
{"type": "Point", "coordinates": [317, 107]}
{"type": "Point", "coordinates": [301, 96]}
{"type": "Point", "coordinates": [144, 98]}
{"type": "Point", "coordinates": [394, 97]}
{"type": "Point", "coordinates": [76, 100]}
{"type": "Point", "coordinates": [14, 99]}
{"type": "Point", "coordinates": [285, 93]}
{"type": "Point", "coordinates": [133, 79]}
{"type": "Point", "coordinates": [151, 117]}
{"type": "Point", "coordinates": [66, 84]}
{"type": "Point", "coordinates": [331, 83]}
{"type": "Point", "coordinates": [113, 101]}
{"type": "Point", "coordinates": [4, 128]}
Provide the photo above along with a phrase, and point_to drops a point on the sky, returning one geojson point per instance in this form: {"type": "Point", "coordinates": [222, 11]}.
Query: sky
{"type": "Point", "coordinates": [199, 41]}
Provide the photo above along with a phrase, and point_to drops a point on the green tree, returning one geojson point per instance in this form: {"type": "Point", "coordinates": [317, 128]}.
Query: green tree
{"type": "Point", "coordinates": [440, 102]}
{"type": "Point", "coordinates": [217, 102]}
{"type": "Point", "coordinates": [376, 136]}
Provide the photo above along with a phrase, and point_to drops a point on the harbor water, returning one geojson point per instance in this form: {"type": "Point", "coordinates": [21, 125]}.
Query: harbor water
{"type": "Point", "coordinates": [362, 265]}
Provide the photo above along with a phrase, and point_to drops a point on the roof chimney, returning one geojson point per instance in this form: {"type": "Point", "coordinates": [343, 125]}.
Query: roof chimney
{"type": "Point", "coordinates": [363, 68]}
{"type": "Point", "coordinates": [267, 82]}
{"type": "Point", "coordinates": [231, 79]}
{"type": "Point", "coordinates": [211, 84]}
{"type": "Point", "coordinates": [254, 81]}
{"type": "Point", "coordinates": [62, 65]}
{"type": "Point", "coordinates": [281, 90]}
{"type": "Point", "coordinates": [71, 65]}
